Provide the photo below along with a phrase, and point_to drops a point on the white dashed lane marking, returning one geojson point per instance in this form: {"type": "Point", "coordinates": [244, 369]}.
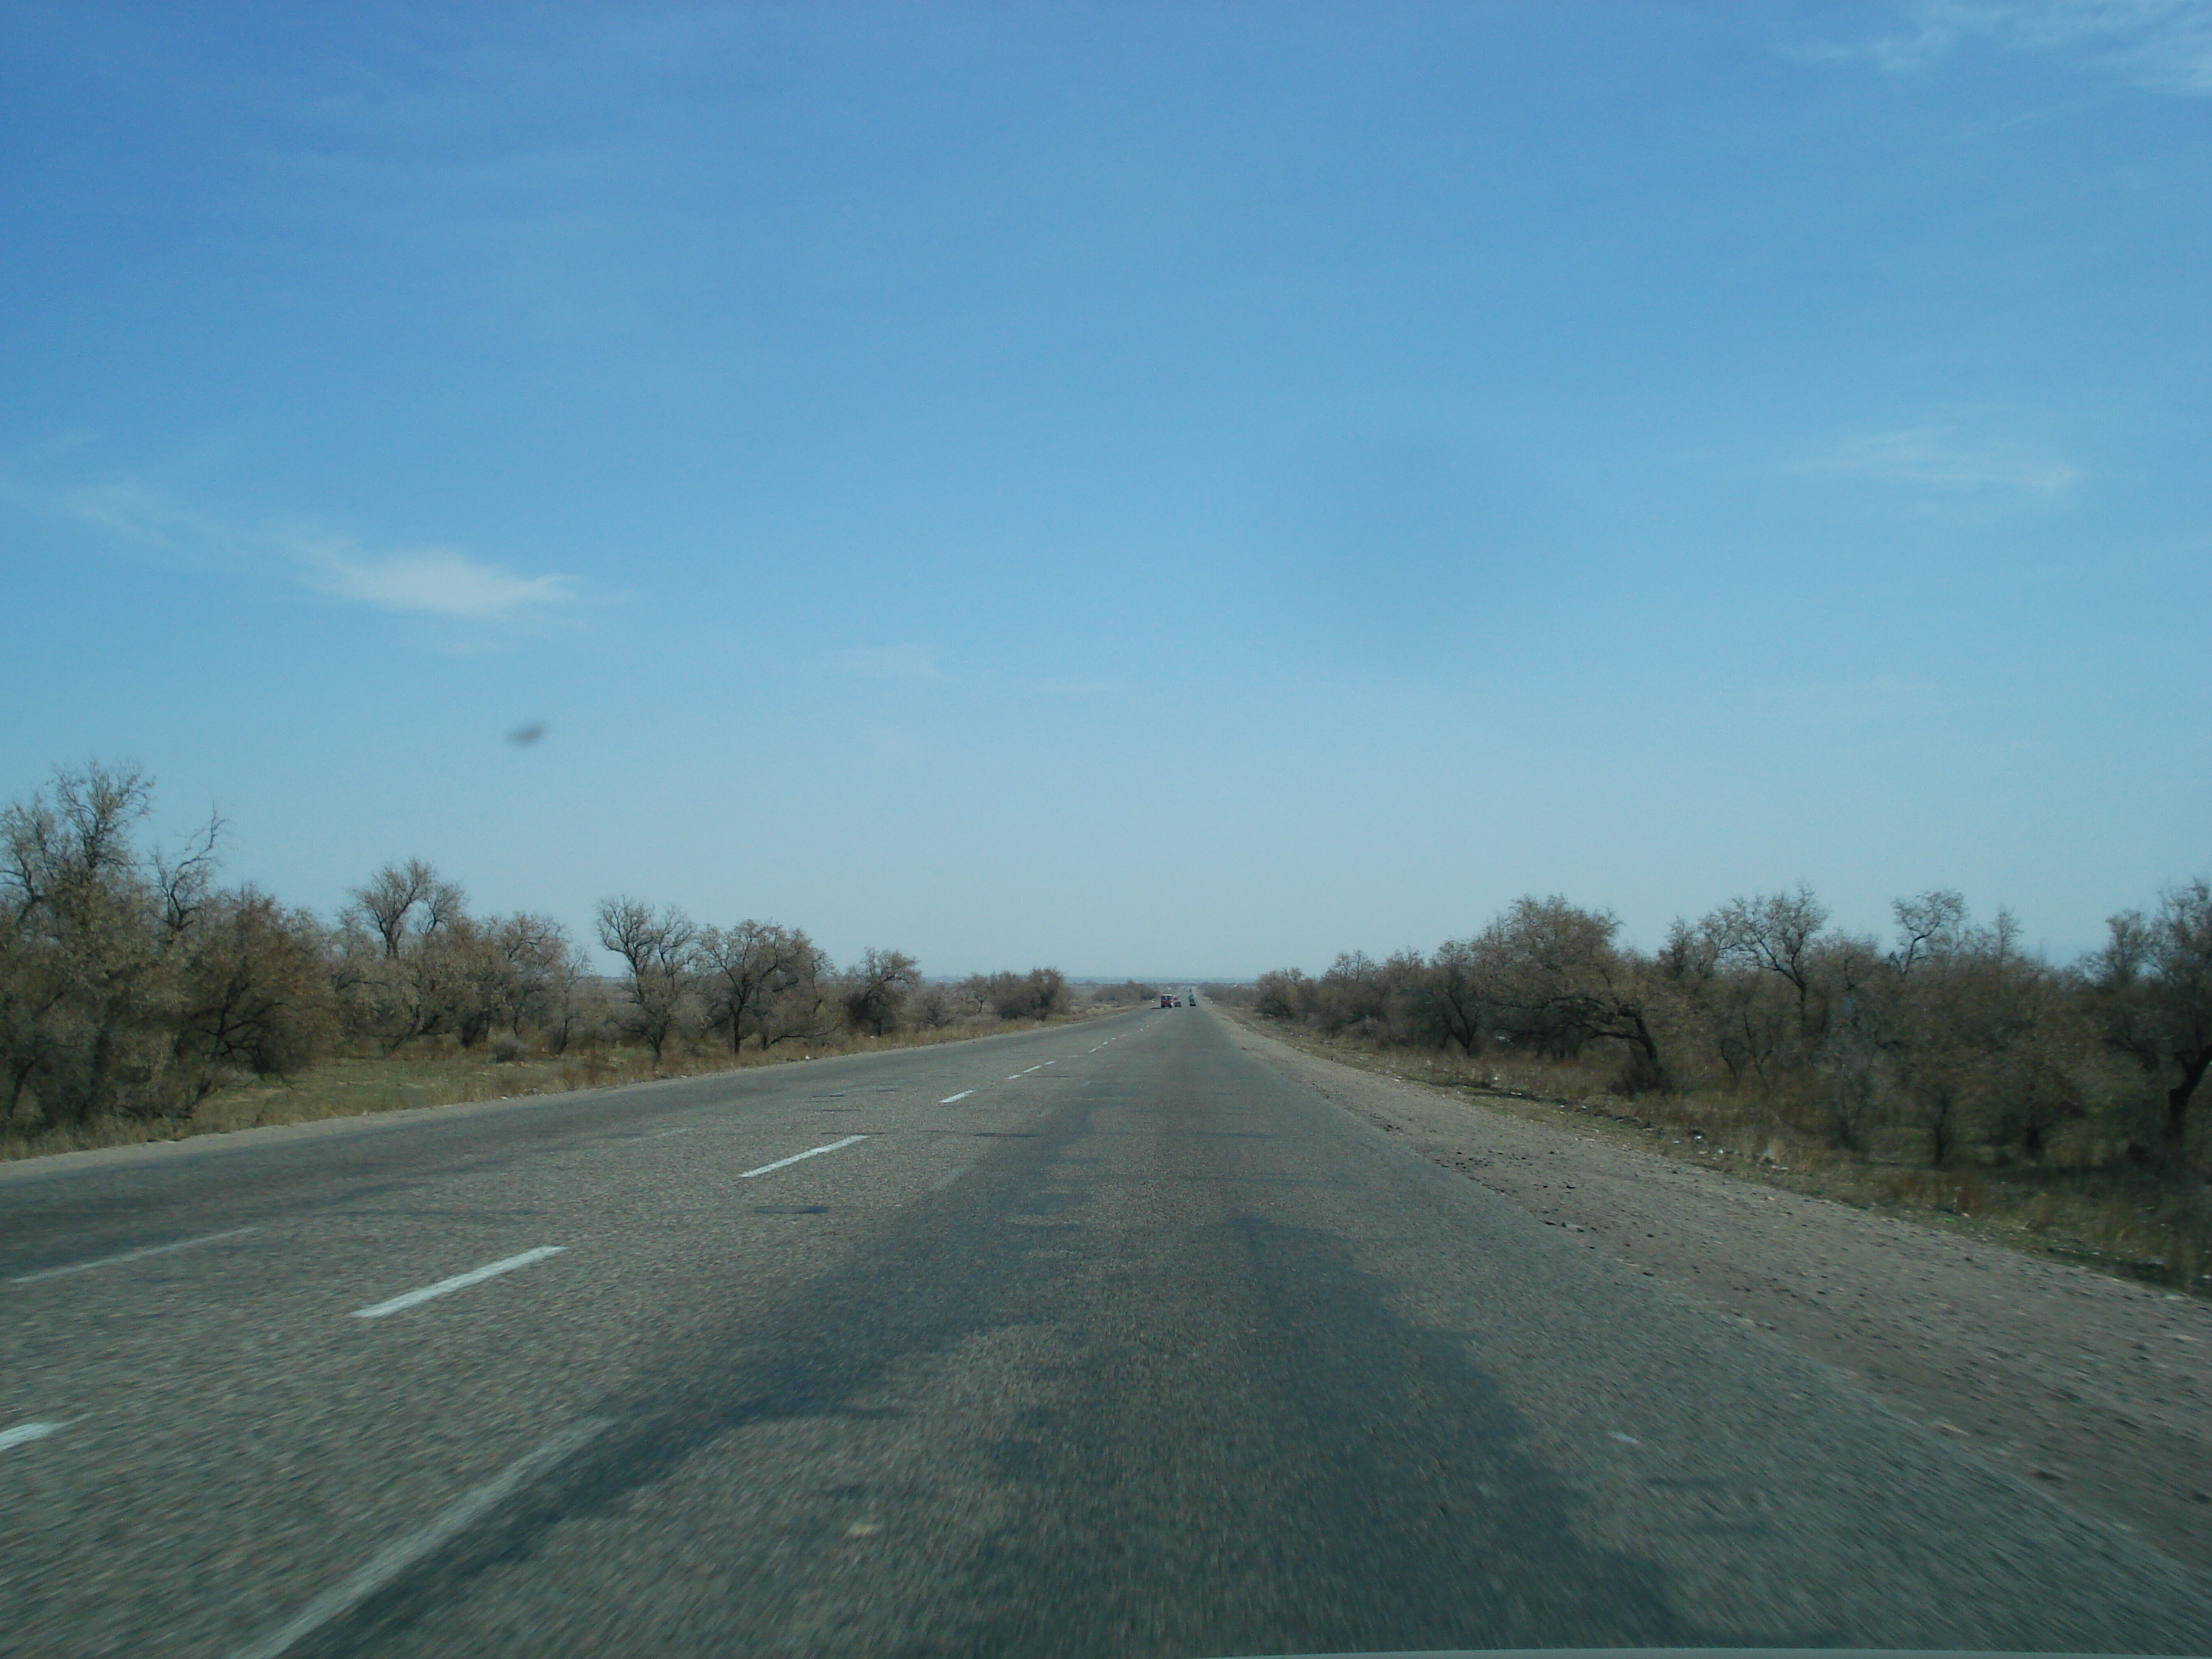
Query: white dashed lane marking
{"type": "Point", "coordinates": [126, 1256]}
{"type": "Point", "coordinates": [458, 1282]}
{"type": "Point", "coordinates": [23, 1433]}
{"type": "Point", "coordinates": [812, 1152]}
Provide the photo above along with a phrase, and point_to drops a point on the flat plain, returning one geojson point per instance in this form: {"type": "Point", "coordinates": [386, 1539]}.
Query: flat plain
{"type": "Point", "coordinates": [1118, 1340]}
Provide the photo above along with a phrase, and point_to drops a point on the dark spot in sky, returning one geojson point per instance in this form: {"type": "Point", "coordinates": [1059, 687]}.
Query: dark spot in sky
{"type": "Point", "coordinates": [527, 733]}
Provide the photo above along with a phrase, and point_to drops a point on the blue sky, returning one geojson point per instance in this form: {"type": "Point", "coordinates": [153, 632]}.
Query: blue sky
{"type": "Point", "coordinates": [1162, 489]}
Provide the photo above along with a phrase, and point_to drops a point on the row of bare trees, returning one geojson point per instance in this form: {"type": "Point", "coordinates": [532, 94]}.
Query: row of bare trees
{"type": "Point", "coordinates": [770, 984]}
{"type": "Point", "coordinates": [133, 984]}
{"type": "Point", "coordinates": [1945, 1042]}
{"type": "Point", "coordinates": [409, 962]}
{"type": "Point", "coordinates": [128, 980]}
{"type": "Point", "coordinates": [756, 980]}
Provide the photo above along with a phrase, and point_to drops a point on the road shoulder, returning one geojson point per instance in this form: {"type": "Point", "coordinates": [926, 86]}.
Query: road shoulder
{"type": "Point", "coordinates": [2099, 1391]}
{"type": "Point", "coordinates": [39, 1166]}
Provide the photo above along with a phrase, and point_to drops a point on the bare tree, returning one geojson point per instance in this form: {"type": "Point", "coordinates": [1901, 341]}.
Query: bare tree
{"type": "Point", "coordinates": [411, 962]}
{"type": "Point", "coordinates": [1776, 932]}
{"type": "Point", "coordinates": [1283, 993]}
{"type": "Point", "coordinates": [1405, 1011]}
{"type": "Point", "coordinates": [744, 970]}
{"type": "Point", "coordinates": [480, 982]}
{"type": "Point", "coordinates": [659, 950]}
{"type": "Point", "coordinates": [256, 989]}
{"type": "Point", "coordinates": [95, 951]}
{"type": "Point", "coordinates": [2154, 980]}
{"type": "Point", "coordinates": [1038, 994]}
{"type": "Point", "coordinates": [1048, 992]}
{"type": "Point", "coordinates": [809, 1006]}
{"type": "Point", "coordinates": [1560, 980]}
{"type": "Point", "coordinates": [1455, 990]}
{"type": "Point", "coordinates": [876, 987]}
{"type": "Point", "coordinates": [88, 1003]}
{"type": "Point", "coordinates": [405, 901]}
{"type": "Point", "coordinates": [1957, 1035]}
{"type": "Point", "coordinates": [1931, 925]}
{"type": "Point", "coordinates": [568, 993]}
{"type": "Point", "coordinates": [1349, 996]}
{"type": "Point", "coordinates": [1746, 1014]}
{"type": "Point", "coordinates": [540, 965]}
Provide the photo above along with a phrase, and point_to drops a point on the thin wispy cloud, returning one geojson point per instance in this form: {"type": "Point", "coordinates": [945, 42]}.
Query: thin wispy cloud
{"type": "Point", "coordinates": [1947, 459]}
{"type": "Point", "coordinates": [123, 508]}
{"type": "Point", "coordinates": [2163, 44]}
{"type": "Point", "coordinates": [433, 581]}
{"type": "Point", "coordinates": [915, 663]}
{"type": "Point", "coordinates": [445, 584]}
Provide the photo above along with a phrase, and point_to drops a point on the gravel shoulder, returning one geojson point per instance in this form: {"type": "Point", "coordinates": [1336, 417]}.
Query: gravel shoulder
{"type": "Point", "coordinates": [2099, 1390]}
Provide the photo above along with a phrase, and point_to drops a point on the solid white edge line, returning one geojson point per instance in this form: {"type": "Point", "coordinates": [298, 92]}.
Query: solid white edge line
{"type": "Point", "coordinates": [23, 1433]}
{"type": "Point", "coordinates": [458, 1282]}
{"type": "Point", "coordinates": [127, 1256]}
{"type": "Point", "coordinates": [963, 1095]}
{"type": "Point", "coordinates": [394, 1560]}
{"type": "Point", "coordinates": [812, 1152]}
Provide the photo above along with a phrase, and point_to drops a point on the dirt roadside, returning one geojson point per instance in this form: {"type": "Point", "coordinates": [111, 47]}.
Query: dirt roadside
{"type": "Point", "coordinates": [2098, 1390]}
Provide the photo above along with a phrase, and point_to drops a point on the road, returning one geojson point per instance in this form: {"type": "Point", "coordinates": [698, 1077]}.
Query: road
{"type": "Point", "coordinates": [1105, 1340]}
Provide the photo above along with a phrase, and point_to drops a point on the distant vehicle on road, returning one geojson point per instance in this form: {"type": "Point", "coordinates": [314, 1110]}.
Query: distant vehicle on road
{"type": "Point", "coordinates": [1166, 1002]}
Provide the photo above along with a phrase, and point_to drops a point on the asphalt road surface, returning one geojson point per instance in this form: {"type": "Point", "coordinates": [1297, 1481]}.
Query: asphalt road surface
{"type": "Point", "coordinates": [1099, 1340]}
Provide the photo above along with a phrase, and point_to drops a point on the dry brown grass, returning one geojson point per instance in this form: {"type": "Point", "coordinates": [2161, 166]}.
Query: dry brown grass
{"type": "Point", "coordinates": [355, 1086]}
{"type": "Point", "coordinates": [2125, 1221]}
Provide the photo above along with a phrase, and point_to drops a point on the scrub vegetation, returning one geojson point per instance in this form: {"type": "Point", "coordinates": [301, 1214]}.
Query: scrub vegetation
{"type": "Point", "coordinates": [1947, 1068]}
{"type": "Point", "coordinates": [141, 998]}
